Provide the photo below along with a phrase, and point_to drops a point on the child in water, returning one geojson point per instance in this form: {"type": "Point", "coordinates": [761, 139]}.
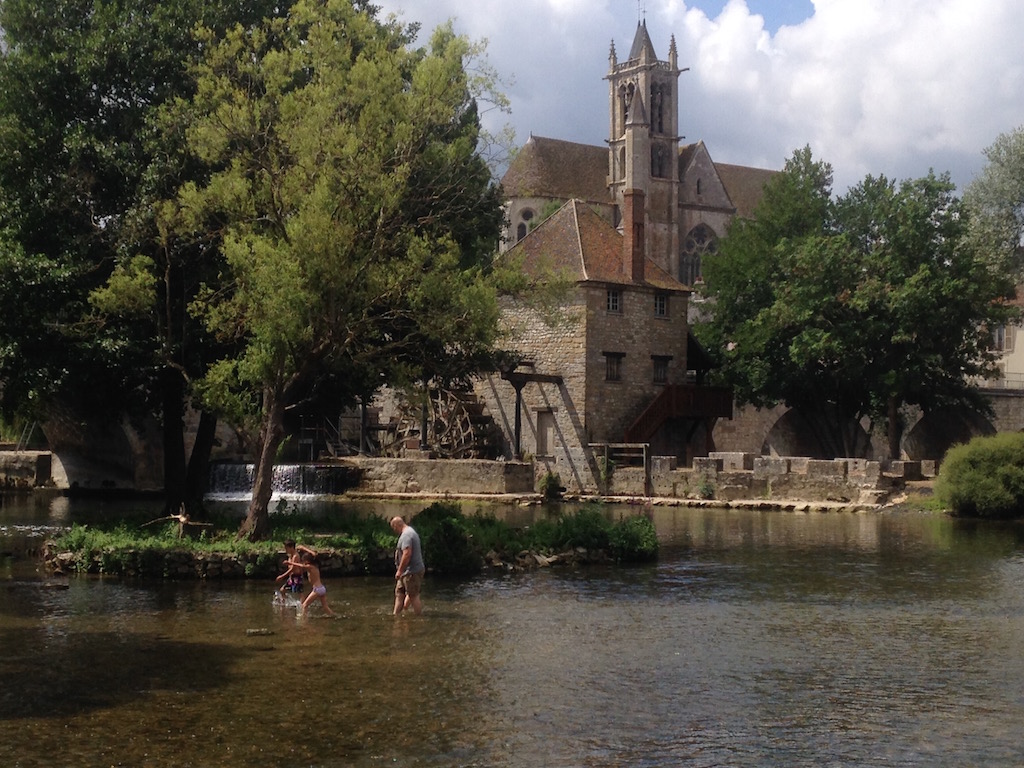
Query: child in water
{"type": "Point", "coordinates": [308, 564]}
{"type": "Point", "coordinates": [292, 577]}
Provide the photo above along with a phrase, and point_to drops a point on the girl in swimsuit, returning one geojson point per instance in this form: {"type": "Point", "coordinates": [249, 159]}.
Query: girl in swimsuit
{"type": "Point", "coordinates": [319, 591]}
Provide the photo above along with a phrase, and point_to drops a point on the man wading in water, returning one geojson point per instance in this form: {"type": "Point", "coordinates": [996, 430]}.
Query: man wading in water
{"type": "Point", "coordinates": [409, 567]}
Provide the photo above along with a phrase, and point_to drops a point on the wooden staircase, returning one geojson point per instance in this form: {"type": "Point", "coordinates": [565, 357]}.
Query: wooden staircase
{"type": "Point", "coordinates": [680, 401]}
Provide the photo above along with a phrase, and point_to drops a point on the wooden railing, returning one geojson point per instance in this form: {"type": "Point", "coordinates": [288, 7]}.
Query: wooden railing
{"type": "Point", "coordinates": [680, 401]}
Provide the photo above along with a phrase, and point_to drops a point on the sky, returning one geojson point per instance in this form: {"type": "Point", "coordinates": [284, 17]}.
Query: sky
{"type": "Point", "coordinates": [873, 87]}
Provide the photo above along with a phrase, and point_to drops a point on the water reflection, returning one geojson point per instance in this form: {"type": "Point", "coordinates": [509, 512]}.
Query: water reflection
{"type": "Point", "coordinates": [757, 639]}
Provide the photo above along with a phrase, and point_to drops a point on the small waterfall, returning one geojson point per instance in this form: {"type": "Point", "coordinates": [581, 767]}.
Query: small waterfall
{"type": "Point", "coordinates": [235, 480]}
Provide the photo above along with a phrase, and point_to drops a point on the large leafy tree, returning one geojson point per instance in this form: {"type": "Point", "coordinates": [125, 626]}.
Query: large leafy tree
{"type": "Point", "coordinates": [92, 296]}
{"type": "Point", "coordinates": [356, 214]}
{"type": "Point", "coordinates": [996, 201]}
{"type": "Point", "coordinates": [851, 308]}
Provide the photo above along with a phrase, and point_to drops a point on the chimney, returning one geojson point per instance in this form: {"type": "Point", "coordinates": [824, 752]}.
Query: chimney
{"type": "Point", "coordinates": [633, 248]}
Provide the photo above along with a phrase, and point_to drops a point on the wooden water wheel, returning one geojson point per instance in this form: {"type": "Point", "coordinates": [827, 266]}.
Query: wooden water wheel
{"type": "Point", "coordinates": [457, 427]}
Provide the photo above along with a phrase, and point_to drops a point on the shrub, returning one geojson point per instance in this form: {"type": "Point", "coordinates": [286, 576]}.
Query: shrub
{"type": "Point", "coordinates": [447, 541]}
{"type": "Point", "coordinates": [634, 540]}
{"type": "Point", "coordinates": [551, 486]}
{"type": "Point", "coordinates": [985, 477]}
{"type": "Point", "coordinates": [586, 528]}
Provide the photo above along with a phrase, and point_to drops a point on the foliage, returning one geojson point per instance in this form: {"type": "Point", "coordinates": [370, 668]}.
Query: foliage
{"type": "Point", "coordinates": [985, 477]}
{"type": "Point", "coordinates": [551, 486]}
{"type": "Point", "coordinates": [454, 543]}
{"type": "Point", "coordinates": [80, 167]}
{"type": "Point", "coordinates": [356, 215]}
{"type": "Point", "coordinates": [446, 536]}
{"type": "Point", "coordinates": [995, 199]}
{"type": "Point", "coordinates": [634, 539]}
{"type": "Point", "coordinates": [587, 528]}
{"type": "Point", "coordinates": [849, 309]}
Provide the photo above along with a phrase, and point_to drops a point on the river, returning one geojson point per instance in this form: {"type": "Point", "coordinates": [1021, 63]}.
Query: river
{"type": "Point", "coordinates": [759, 638]}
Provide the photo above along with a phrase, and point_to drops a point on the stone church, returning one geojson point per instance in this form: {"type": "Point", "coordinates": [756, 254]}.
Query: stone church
{"type": "Point", "coordinates": [627, 225]}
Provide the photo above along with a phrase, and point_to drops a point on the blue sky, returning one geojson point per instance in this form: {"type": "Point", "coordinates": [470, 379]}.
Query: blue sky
{"type": "Point", "coordinates": [893, 87]}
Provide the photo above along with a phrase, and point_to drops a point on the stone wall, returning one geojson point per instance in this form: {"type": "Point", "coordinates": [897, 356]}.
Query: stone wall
{"type": "Point", "coordinates": [438, 476]}
{"type": "Point", "coordinates": [729, 476]}
{"type": "Point", "coordinates": [23, 470]}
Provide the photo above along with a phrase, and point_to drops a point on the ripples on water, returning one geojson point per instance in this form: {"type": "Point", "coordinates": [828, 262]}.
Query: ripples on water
{"type": "Point", "coordinates": [758, 639]}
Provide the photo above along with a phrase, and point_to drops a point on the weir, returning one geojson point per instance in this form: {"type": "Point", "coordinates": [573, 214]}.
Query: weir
{"type": "Point", "coordinates": [233, 479]}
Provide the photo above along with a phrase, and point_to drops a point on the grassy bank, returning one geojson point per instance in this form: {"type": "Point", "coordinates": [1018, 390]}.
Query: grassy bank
{"type": "Point", "coordinates": [453, 543]}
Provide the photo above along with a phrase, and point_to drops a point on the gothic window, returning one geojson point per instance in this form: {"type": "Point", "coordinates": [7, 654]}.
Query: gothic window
{"type": "Point", "coordinates": [520, 231]}
{"type": "Point", "coordinates": [699, 242]}
{"type": "Point", "coordinates": [658, 161]}
{"type": "Point", "coordinates": [658, 107]}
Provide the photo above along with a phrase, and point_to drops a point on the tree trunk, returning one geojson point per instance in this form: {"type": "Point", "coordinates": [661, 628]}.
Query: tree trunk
{"type": "Point", "coordinates": [173, 396]}
{"type": "Point", "coordinates": [256, 525]}
{"type": "Point", "coordinates": [894, 429]}
{"type": "Point", "coordinates": [197, 480]}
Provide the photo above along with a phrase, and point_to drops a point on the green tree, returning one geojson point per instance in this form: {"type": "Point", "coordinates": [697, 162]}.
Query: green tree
{"type": "Point", "coordinates": [93, 298]}
{"type": "Point", "coordinates": [849, 309]}
{"type": "Point", "coordinates": [996, 201]}
{"type": "Point", "coordinates": [356, 214]}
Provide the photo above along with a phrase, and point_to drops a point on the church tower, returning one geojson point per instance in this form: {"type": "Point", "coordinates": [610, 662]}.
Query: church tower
{"type": "Point", "coordinates": [643, 142]}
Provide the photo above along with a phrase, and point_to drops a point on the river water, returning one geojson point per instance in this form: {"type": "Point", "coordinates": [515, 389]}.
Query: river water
{"type": "Point", "coordinates": [759, 638]}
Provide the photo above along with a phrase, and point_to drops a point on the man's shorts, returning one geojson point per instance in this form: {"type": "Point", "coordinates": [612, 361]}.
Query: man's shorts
{"type": "Point", "coordinates": [409, 584]}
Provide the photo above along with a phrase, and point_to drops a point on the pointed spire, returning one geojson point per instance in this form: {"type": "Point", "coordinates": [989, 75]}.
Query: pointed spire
{"type": "Point", "coordinates": [673, 55]}
{"type": "Point", "coordinates": [637, 110]}
{"type": "Point", "coordinates": [613, 60]}
{"type": "Point", "coordinates": [642, 43]}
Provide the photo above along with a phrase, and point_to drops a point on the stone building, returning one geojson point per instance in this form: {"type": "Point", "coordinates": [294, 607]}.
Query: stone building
{"type": "Point", "coordinates": [634, 221]}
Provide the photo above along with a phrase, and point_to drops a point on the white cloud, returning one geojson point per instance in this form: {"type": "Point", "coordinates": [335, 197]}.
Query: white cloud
{"type": "Point", "coordinates": [873, 86]}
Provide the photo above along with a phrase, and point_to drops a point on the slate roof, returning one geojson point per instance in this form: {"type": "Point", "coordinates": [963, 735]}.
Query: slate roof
{"type": "Point", "coordinates": [555, 168]}
{"type": "Point", "coordinates": [745, 186]}
{"type": "Point", "coordinates": [576, 242]}
{"type": "Point", "coordinates": [564, 169]}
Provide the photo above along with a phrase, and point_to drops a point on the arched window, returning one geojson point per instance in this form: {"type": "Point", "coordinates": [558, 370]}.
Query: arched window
{"type": "Point", "coordinates": [698, 243]}
{"type": "Point", "coordinates": [658, 107]}
{"type": "Point", "coordinates": [658, 161]}
{"type": "Point", "coordinates": [521, 231]}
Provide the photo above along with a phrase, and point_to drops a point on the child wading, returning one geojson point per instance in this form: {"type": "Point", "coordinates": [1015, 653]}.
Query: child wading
{"type": "Point", "coordinates": [308, 564]}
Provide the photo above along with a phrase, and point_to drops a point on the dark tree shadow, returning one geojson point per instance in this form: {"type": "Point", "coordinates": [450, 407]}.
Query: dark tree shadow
{"type": "Point", "coordinates": [44, 674]}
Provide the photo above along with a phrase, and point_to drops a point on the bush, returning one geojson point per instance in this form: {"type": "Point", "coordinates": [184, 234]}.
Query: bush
{"type": "Point", "coordinates": [448, 545]}
{"type": "Point", "coordinates": [985, 477]}
{"type": "Point", "coordinates": [634, 540]}
{"type": "Point", "coordinates": [585, 528]}
{"type": "Point", "coordinates": [551, 486]}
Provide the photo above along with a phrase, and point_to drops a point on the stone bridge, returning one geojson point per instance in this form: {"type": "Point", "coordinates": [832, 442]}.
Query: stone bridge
{"type": "Point", "coordinates": [780, 432]}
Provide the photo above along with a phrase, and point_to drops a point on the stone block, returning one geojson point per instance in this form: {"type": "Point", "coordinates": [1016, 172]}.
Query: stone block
{"type": "Point", "coordinates": [863, 469]}
{"type": "Point", "coordinates": [770, 466]}
{"type": "Point", "coordinates": [908, 470]}
{"type": "Point", "coordinates": [798, 464]}
{"type": "Point", "coordinates": [707, 465]}
{"type": "Point", "coordinates": [928, 468]}
{"type": "Point", "coordinates": [663, 463]}
{"type": "Point", "coordinates": [834, 469]}
{"type": "Point", "coordinates": [734, 461]}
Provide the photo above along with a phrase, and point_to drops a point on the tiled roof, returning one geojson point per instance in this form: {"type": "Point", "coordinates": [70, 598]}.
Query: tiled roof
{"type": "Point", "coordinates": [558, 169]}
{"type": "Point", "coordinates": [577, 243]}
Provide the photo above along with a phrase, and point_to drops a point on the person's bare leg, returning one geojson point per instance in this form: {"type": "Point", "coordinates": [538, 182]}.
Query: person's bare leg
{"type": "Point", "coordinates": [327, 608]}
